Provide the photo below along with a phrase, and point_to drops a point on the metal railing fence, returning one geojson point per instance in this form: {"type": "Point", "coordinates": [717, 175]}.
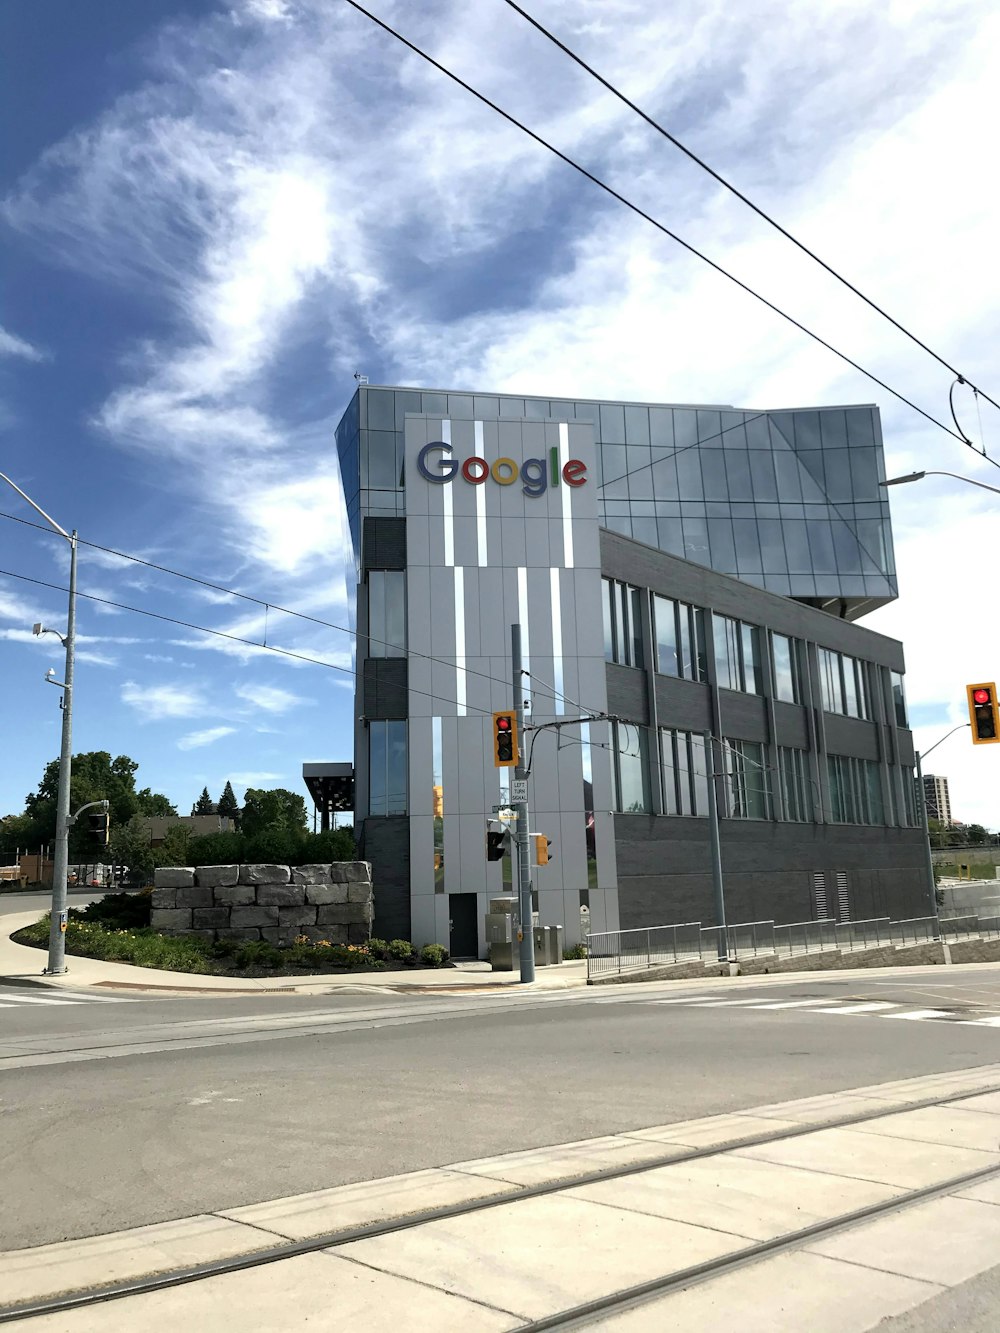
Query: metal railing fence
{"type": "Point", "coordinates": [871, 934]}
{"type": "Point", "coordinates": [915, 930]}
{"type": "Point", "coordinates": [618, 951]}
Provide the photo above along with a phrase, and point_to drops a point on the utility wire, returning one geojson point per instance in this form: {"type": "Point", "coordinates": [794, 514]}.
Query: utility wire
{"type": "Point", "coordinates": [268, 606]}
{"type": "Point", "coordinates": [647, 217]}
{"type": "Point", "coordinates": [728, 185]}
{"type": "Point", "coordinates": [236, 638]}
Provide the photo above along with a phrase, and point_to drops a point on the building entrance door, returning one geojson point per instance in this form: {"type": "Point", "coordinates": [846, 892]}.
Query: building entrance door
{"type": "Point", "coordinates": [464, 925]}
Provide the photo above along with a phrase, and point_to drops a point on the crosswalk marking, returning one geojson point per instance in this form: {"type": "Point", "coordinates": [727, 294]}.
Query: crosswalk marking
{"type": "Point", "coordinates": [816, 1005]}
{"type": "Point", "coordinates": [9, 999]}
{"type": "Point", "coordinates": [922, 1013]}
{"type": "Point", "coordinates": [874, 1007]}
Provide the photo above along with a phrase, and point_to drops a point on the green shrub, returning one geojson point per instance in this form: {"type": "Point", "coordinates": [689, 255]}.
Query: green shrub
{"type": "Point", "coordinates": [574, 952]}
{"type": "Point", "coordinates": [434, 955]}
{"type": "Point", "coordinates": [378, 948]}
{"type": "Point", "coordinates": [123, 911]}
{"type": "Point", "coordinates": [258, 953]}
{"type": "Point", "coordinates": [401, 951]}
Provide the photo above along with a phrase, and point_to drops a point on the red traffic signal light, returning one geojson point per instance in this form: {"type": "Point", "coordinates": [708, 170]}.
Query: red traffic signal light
{"type": "Point", "coordinates": [983, 713]}
{"type": "Point", "coordinates": [505, 753]}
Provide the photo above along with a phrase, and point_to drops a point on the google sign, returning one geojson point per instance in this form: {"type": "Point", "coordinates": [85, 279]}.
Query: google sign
{"type": "Point", "coordinates": [535, 474]}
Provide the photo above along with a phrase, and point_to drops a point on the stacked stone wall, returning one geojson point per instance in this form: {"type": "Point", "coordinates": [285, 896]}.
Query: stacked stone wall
{"type": "Point", "coordinates": [265, 902]}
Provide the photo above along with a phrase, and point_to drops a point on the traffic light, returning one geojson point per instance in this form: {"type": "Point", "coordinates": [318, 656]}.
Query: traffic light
{"type": "Point", "coordinates": [100, 826]}
{"type": "Point", "coordinates": [983, 713]}
{"type": "Point", "coordinates": [496, 844]}
{"type": "Point", "coordinates": [504, 740]}
{"type": "Point", "coordinates": [542, 845]}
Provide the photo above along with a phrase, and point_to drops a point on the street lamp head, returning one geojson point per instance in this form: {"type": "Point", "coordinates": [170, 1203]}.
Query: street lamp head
{"type": "Point", "coordinates": [900, 481]}
{"type": "Point", "coordinates": [37, 628]}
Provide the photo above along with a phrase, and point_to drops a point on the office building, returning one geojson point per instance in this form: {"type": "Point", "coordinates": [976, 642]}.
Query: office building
{"type": "Point", "coordinates": [936, 798]}
{"type": "Point", "coordinates": [679, 573]}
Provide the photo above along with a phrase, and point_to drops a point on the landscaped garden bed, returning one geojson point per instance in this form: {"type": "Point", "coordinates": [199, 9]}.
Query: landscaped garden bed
{"type": "Point", "coordinates": [116, 929]}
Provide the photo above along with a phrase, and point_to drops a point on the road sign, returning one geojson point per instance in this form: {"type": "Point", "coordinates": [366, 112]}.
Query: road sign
{"type": "Point", "coordinates": [518, 789]}
{"type": "Point", "coordinates": [504, 811]}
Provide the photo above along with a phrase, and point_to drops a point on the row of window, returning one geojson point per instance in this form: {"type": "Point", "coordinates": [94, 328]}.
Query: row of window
{"type": "Point", "coordinates": [679, 647]}
{"type": "Point", "coordinates": [746, 792]}
{"type": "Point", "coordinates": [855, 784]}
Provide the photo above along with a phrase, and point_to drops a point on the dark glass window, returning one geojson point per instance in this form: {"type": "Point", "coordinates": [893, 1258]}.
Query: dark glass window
{"type": "Point", "coordinates": [622, 623]}
{"type": "Point", "coordinates": [386, 613]}
{"type": "Point", "coordinates": [855, 790]}
{"type": "Point", "coordinates": [899, 700]}
{"type": "Point", "coordinates": [387, 768]}
{"type": "Point", "coordinates": [796, 785]}
{"type": "Point", "coordinates": [745, 780]}
{"type": "Point", "coordinates": [631, 768]}
{"type": "Point", "coordinates": [736, 655]}
{"type": "Point", "coordinates": [785, 664]}
{"type": "Point", "coordinates": [685, 784]}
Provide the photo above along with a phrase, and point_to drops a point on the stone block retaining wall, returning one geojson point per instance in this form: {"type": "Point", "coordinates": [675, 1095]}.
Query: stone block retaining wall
{"type": "Point", "coordinates": [265, 902]}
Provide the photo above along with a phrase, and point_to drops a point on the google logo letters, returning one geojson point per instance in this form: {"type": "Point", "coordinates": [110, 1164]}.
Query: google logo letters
{"type": "Point", "coordinates": [535, 474]}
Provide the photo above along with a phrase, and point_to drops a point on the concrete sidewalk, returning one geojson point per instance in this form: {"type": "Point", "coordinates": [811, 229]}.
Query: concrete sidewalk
{"type": "Point", "coordinates": [531, 1258]}
{"type": "Point", "coordinates": [20, 962]}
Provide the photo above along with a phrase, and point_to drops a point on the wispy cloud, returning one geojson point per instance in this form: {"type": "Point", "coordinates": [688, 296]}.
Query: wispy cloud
{"type": "Point", "coordinates": [194, 740]}
{"type": "Point", "coordinates": [271, 698]}
{"type": "Point", "coordinates": [11, 345]}
{"type": "Point", "coordinates": [156, 702]}
{"type": "Point", "coordinates": [253, 779]}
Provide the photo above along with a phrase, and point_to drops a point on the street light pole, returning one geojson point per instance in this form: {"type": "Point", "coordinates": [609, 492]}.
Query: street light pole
{"type": "Point", "coordinates": [928, 855]}
{"type": "Point", "coordinates": [60, 866]}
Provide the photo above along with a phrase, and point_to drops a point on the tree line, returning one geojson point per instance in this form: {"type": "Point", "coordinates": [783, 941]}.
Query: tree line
{"type": "Point", "coordinates": [271, 825]}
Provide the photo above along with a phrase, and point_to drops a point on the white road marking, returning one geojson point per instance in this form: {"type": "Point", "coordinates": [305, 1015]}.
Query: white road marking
{"type": "Point", "coordinates": [874, 1006]}
{"type": "Point", "coordinates": [923, 1013]}
{"type": "Point", "coordinates": [39, 999]}
{"type": "Point", "coordinates": [793, 1004]}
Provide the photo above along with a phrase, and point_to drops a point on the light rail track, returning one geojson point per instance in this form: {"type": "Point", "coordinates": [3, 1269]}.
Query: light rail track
{"type": "Point", "coordinates": [580, 1316]}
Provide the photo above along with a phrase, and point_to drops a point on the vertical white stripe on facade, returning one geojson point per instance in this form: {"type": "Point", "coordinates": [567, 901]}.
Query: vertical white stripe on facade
{"type": "Point", "coordinates": [448, 501]}
{"type": "Point", "coordinates": [557, 644]}
{"type": "Point", "coordinates": [566, 495]}
{"type": "Point", "coordinates": [460, 676]}
{"type": "Point", "coordinates": [480, 502]}
{"type": "Point", "coordinates": [522, 615]}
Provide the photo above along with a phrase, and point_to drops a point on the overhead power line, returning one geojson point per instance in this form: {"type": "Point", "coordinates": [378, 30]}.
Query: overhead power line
{"type": "Point", "coordinates": [654, 222]}
{"type": "Point", "coordinates": [761, 213]}
{"type": "Point", "coordinates": [237, 638]}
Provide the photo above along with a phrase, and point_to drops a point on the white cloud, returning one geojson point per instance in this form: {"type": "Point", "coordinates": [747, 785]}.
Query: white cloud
{"type": "Point", "coordinates": [253, 779]}
{"type": "Point", "coordinates": [153, 703]}
{"type": "Point", "coordinates": [195, 739]}
{"type": "Point", "coordinates": [11, 345]}
{"type": "Point", "coordinates": [270, 698]}
{"type": "Point", "coordinates": [305, 199]}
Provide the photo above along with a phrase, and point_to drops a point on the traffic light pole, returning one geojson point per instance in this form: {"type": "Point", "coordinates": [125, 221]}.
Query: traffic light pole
{"type": "Point", "coordinates": [526, 932]}
{"type": "Point", "coordinates": [928, 857]}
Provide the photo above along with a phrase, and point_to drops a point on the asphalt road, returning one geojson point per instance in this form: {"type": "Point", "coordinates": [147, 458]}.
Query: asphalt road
{"type": "Point", "coordinates": [114, 1114]}
{"type": "Point", "coordinates": [12, 903]}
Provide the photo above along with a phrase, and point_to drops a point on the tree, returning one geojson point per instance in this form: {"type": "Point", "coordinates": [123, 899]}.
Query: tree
{"type": "Point", "coordinates": [204, 805]}
{"type": "Point", "coordinates": [275, 811]}
{"type": "Point", "coordinates": [937, 832]}
{"type": "Point", "coordinates": [154, 803]}
{"type": "Point", "coordinates": [229, 806]}
{"type": "Point", "coordinates": [95, 777]}
{"type": "Point", "coordinates": [129, 846]}
{"type": "Point", "coordinates": [976, 834]}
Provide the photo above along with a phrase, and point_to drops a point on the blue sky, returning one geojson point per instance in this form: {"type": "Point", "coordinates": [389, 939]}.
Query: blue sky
{"type": "Point", "coordinates": [214, 213]}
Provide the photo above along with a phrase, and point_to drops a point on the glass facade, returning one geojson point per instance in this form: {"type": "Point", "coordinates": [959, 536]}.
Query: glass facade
{"type": "Point", "coordinates": [622, 623]}
{"type": "Point", "coordinates": [787, 500]}
{"type": "Point", "coordinates": [796, 784]}
{"type": "Point", "coordinates": [786, 667]}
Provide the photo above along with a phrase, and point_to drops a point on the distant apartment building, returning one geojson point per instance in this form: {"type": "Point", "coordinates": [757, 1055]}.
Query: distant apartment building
{"type": "Point", "coordinates": [936, 798]}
